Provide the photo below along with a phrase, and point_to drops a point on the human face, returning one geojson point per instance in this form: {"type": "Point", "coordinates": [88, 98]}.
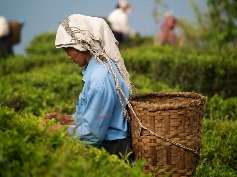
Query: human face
{"type": "Point", "coordinates": [81, 58]}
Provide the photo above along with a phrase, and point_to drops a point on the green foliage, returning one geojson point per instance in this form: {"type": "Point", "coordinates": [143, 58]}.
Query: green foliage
{"type": "Point", "coordinates": [222, 16]}
{"type": "Point", "coordinates": [21, 64]}
{"type": "Point", "coordinates": [221, 108]}
{"type": "Point", "coordinates": [46, 80]}
{"type": "Point", "coordinates": [43, 44]}
{"type": "Point", "coordinates": [136, 41]}
{"type": "Point", "coordinates": [146, 85]}
{"type": "Point", "coordinates": [215, 28]}
{"type": "Point", "coordinates": [28, 150]}
{"type": "Point", "coordinates": [219, 149]}
{"type": "Point", "coordinates": [42, 88]}
{"type": "Point", "coordinates": [207, 72]}
{"type": "Point", "coordinates": [157, 12]}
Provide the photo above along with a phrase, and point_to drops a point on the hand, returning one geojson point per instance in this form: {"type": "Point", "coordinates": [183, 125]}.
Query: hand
{"type": "Point", "coordinates": [54, 127]}
{"type": "Point", "coordinates": [56, 115]}
{"type": "Point", "coordinates": [64, 119]}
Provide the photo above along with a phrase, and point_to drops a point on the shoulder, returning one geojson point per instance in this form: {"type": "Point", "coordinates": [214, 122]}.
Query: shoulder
{"type": "Point", "coordinates": [99, 76]}
{"type": "Point", "coordinates": [115, 13]}
{"type": "Point", "coordinates": [99, 72]}
{"type": "Point", "coordinates": [98, 69]}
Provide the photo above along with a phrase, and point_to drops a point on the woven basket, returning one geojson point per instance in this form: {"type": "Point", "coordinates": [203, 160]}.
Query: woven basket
{"type": "Point", "coordinates": [15, 29]}
{"type": "Point", "coordinates": [166, 131]}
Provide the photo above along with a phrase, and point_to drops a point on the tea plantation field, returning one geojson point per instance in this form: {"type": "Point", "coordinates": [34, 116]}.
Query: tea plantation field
{"type": "Point", "coordinates": [45, 80]}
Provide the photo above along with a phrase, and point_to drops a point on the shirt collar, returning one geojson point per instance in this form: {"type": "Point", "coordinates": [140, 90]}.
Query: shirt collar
{"type": "Point", "coordinates": [88, 69]}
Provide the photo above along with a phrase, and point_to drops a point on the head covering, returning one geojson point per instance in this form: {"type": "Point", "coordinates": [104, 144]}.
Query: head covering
{"type": "Point", "coordinates": [4, 26]}
{"type": "Point", "coordinates": [123, 4]}
{"type": "Point", "coordinates": [93, 34]}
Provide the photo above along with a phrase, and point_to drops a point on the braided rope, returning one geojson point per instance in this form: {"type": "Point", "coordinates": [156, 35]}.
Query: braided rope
{"type": "Point", "coordinates": [100, 56]}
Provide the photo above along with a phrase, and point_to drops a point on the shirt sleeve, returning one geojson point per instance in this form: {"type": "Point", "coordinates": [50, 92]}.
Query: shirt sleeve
{"type": "Point", "coordinates": [94, 111]}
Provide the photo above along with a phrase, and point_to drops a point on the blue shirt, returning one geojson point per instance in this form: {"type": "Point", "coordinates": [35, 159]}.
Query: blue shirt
{"type": "Point", "coordinates": [99, 115]}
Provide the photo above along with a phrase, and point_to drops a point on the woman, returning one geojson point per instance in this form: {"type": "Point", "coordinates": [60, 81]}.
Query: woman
{"type": "Point", "coordinates": [101, 108]}
{"type": "Point", "coordinates": [166, 35]}
{"type": "Point", "coordinates": [5, 38]}
{"type": "Point", "coordinates": [118, 20]}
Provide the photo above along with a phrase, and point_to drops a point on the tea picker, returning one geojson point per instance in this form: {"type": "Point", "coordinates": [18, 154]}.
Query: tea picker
{"type": "Point", "coordinates": [167, 134]}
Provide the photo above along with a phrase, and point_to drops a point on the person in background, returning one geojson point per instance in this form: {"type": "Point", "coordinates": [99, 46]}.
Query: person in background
{"type": "Point", "coordinates": [100, 117]}
{"type": "Point", "coordinates": [5, 38]}
{"type": "Point", "coordinates": [118, 20]}
{"type": "Point", "coordinates": [166, 34]}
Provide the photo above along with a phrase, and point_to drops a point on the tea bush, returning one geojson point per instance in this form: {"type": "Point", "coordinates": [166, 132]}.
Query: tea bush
{"type": "Point", "coordinates": [43, 44]}
{"type": "Point", "coordinates": [28, 150]}
{"type": "Point", "coordinates": [192, 70]}
{"type": "Point", "coordinates": [46, 81]}
{"type": "Point", "coordinates": [220, 108]}
{"type": "Point", "coordinates": [48, 87]}
{"type": "Point", "coordinates": [53, 86]}
{"type": "Point", "coordinates": [219, 148]}
{"type": "Point", "coordinates": [20, 64]}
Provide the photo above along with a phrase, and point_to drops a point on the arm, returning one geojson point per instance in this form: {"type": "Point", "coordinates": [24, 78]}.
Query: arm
{"type": "Point", "coordinates": [124, 26]}
{"type": "Point", "coordinates": [93, 111]}
{"type": "Point", "coordinates": [119, 23]}
{"type": "Point", "coordinates": [64, 119]}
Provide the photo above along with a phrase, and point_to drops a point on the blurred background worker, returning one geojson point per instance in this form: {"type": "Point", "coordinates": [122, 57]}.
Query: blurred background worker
{"type": "Point", "coordinates": [10, 34]}
{"type": "Point", "coordinates": [166, 34]}
{"type": "Point", "coordinates": [5, 38]}
{"type": "Point", "coordinates": [118, 21]}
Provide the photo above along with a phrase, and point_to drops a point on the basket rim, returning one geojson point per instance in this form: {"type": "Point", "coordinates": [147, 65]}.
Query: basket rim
{"type": "Point", "coordinates": [199, 99]}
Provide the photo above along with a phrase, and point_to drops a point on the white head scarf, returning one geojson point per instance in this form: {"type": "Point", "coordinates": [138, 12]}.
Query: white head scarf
{"type": "Point", "coordinates": [78, 31]}
{"type": "Point", "coordinates": [4, 26]}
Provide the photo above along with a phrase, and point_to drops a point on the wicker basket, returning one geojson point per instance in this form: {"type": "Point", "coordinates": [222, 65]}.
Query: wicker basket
{"type": "Point", "coordinates": [166, 130]}
{"type": "Point", "coordinates": [15, 29]}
